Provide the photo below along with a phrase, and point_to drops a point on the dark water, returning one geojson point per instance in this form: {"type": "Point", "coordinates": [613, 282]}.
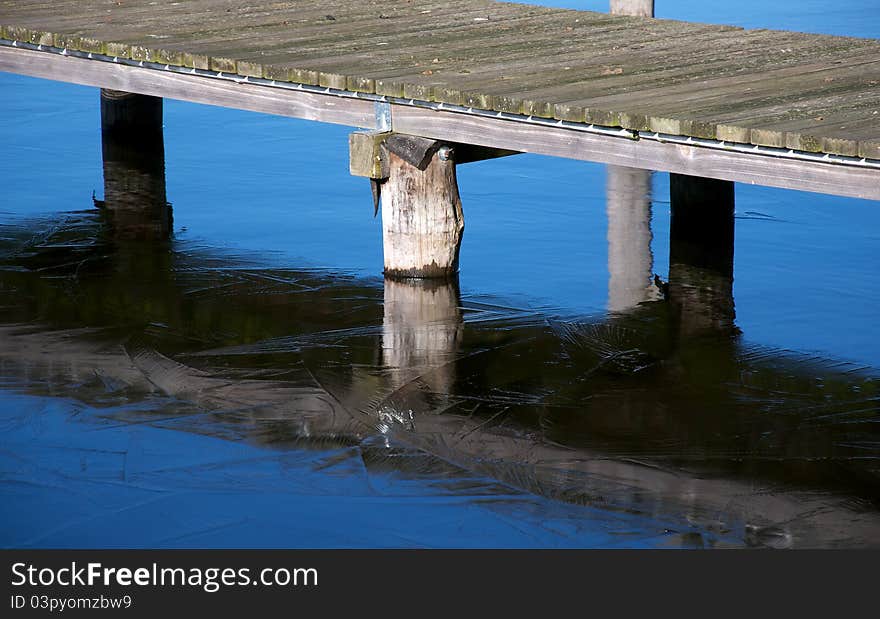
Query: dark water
{"type": "Point", "coordinates": [254, 382]}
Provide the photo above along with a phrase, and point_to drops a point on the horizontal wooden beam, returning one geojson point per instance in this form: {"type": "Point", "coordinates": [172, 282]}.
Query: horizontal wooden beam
{"type": "Point", "coordinates": [195, 88]}
{"type": "Point", "coordinates": [455, 127]}
{"type": "Point", "coordinates": [694, 160]}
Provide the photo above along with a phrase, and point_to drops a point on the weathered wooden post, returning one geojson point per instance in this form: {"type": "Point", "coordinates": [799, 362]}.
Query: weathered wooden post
{"type": "Point", "coordinates": [701, 254]}
{"type": "Point", "coordinates": [642, 8]}
{"type": "Point", "coordinates": [134, 165]}
{"type": "Point", "coordinates": [421, 331]}
{"type": "Point", "coordinates": [422, 219]}
{"type": "Point", "coordinates": [414, 181]}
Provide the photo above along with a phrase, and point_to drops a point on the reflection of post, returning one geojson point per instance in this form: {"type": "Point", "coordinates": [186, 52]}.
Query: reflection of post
{"type": "Point", "coordinates": [421, 331]}
{"type": "Point", "coordinates": [701, 253]}
{"type": "Point", "coordinates": [630, 262]}
{"type": "Point", "coordinates": [134, 165]}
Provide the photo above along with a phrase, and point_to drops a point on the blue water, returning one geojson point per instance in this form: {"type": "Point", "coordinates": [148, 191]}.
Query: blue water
{"type": "Point", "coordinates": [277, 191]}
{"type": "Point", "coordinates": [852, 18]}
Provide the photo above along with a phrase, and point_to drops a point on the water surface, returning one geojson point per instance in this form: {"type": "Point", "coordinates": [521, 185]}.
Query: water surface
{"type": "Point", "coordinates": [252, 381]}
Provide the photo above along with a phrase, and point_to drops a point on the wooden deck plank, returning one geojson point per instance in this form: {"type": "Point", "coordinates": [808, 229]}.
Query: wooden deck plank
{"type": "Point", "coordinates": [404, 41]}
{"type": "Point", "coordinates": [741, 101]}
{"type": "Point", "coordinates": [630, 93]}
{"type": "Point", "coordinates": [754, 86]}
{"type": "Point", "coordinates": [677, 77]}
{"type": "Point", "coordinates": [568, 78]}
{"type": "Point", "coordinates": [523, 66]}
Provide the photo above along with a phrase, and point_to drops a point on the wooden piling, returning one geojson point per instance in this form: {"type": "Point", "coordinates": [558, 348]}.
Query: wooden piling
{"type": "Point", "coordinates": [422, 218]}
{"type": "Point", "coordinates": [134, 166]}
{"type": "Point", "coordinates": [701, 254]}
{"type": "Point", "coordinates": [129, 114]}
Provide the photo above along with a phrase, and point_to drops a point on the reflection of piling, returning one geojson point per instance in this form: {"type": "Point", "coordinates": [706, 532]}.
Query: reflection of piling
{"type": "Point", "coordinates": [630, 262]}
{"type": "Point", "coordinates": [421, 331]}
{"type": "Point", "coordinates": [134, 165]}
{"type": "Point", "coordinates": [701, 254]}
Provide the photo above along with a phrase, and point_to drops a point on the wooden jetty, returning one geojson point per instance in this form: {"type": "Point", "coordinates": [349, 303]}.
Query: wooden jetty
{"type": "Point", "coordinates": [441, 83]}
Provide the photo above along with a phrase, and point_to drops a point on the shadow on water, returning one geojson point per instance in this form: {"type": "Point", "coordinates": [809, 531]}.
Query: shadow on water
{"type": "Point", "coordinates": [659, 413]}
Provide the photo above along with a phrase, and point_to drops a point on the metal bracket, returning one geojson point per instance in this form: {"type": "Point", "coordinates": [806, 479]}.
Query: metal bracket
{"type": "Point", "coordinates": [383, 116]}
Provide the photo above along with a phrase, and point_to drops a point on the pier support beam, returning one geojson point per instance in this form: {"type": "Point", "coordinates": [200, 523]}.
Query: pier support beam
{"type": "Point", "coordinates": [642, 8]}
{"type": "Point", "coordinates": [422, 219]}
{"type": "Point", "coordinates": [134, 165]}
{"type": "Point", "coordinates": [414, 180]}
{"type": "Point", "coordinates": [701, 254]}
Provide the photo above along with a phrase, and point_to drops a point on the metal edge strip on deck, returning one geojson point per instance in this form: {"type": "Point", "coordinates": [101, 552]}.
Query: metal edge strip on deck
{"type": "Point", "coordinates": [790, 169]}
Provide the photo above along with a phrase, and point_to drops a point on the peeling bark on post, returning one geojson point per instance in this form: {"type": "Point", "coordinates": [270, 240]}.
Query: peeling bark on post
{"type": "Point", "coordinates": [422, 219]}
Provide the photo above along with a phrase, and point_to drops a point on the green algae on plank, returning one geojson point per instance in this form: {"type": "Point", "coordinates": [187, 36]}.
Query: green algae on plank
{"type": "Point", "coordinates": [196, 61]}
{"type": "Point", "coordinates": [224, 65]}
{"type": "Point", "coordinates": [169, 57]}
{"type": "Point", "coordinates": [250, 69]}
{"type": "Point", "coordinates": [118, 50]}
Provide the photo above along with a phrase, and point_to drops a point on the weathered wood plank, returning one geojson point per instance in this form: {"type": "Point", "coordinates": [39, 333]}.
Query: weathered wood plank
{"type": "Point", "coordinates": [422, 219]}
{"type": "Point", "coordinates": [282, 102]}
{"type": "Point", "coordinates": [365, 154]}
{"type": "Point", "coordinates": [742, 167]}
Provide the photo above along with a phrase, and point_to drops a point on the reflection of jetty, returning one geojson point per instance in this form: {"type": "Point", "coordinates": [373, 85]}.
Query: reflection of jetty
{"type": "Point", "coordinates": [474, 79]}
{"type": "Point", "coordinates": [640, 412]}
